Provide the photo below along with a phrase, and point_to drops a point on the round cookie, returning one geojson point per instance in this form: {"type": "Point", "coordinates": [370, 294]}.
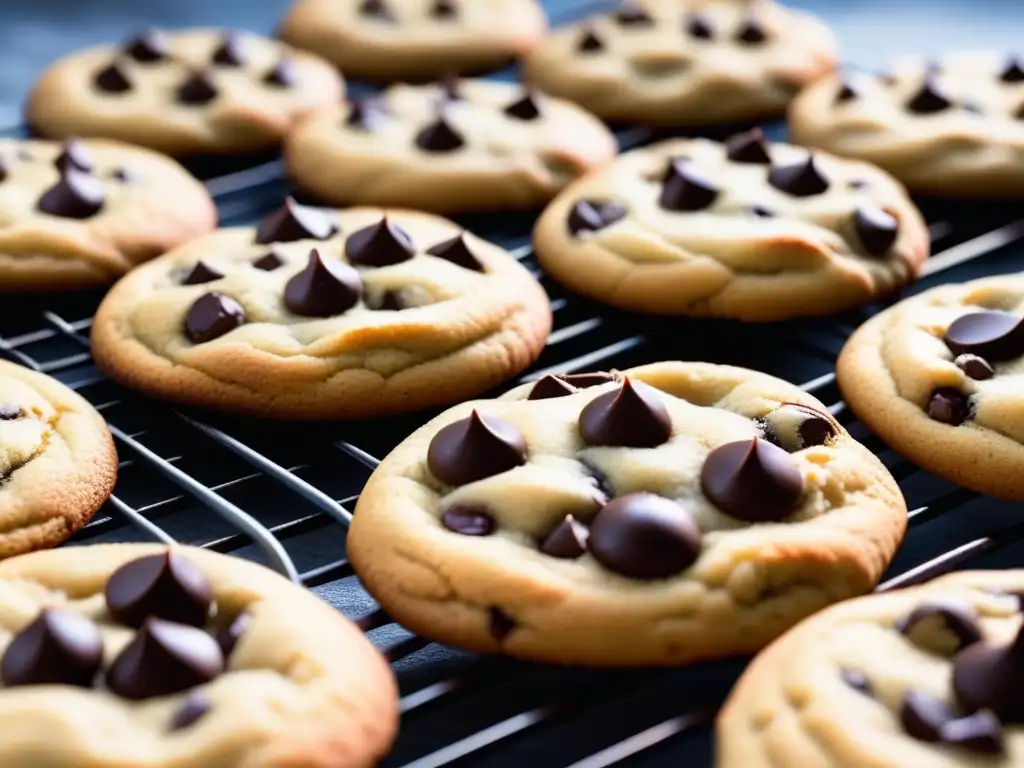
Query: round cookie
{"type": "Point", "coordinates": [83, 213]}
{"type": "Point", "coordinates": [324, 314]}
{"type": "Point", "coordinates": [938, 378]}
{"type": "Point", "coordinates": [664, 514]}
{"type": "Point", "coordinates": [746, 229]}
{"type": "Point", "coordinates": [57, 461]}
{"type": "Point", "coordinates": [449, 147]}
{"type": "Point", "coordinates": [950, 127]}
{"type": "Point", "coordinates": [389, 40]}
{"type": "Point", "coordinates": [193, 91]}
{"type": "Point", "coordinates": [181, 657]}
{"type": "Point", "coordinates": [927, 677]}
{"type": "Point", "coordinates": [674, 63]}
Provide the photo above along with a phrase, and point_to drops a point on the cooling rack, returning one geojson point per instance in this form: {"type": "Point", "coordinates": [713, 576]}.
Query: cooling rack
{"type": "Point", "coordinates": [283, 494]}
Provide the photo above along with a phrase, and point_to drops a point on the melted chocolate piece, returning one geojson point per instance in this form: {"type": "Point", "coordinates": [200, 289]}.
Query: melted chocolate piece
{"type": "Point", "coordinates": [794, 427]}
{"type": "Point", "coordinates": [376, 9]}
{"type": "Point", "coordinates": [760, 211]}
{"type": "Point", "coordinates": [439, 136]}
{"type": "Point", "coordinates": [10, 411]}
{"type": "Point", "coordinates": [231, 51]}
{"type": "Point", "coordinates": [379, 245]}
{"type": "Point", "coordinates": [644, 536]}
{"type": "Point", "coordinates": [981, 732]}
{"type": "Point", "coordinates": [698, 26]}
{"type": "Point", "coordinates": [123, 175]}
{"type": "Point", "coordinates": [194, 708]}
{"type": "Point", "coordinates": [323, 288]}
{"type": "Point", "coordinates": [955, 622]}
{"type": "Point", "coordinates": [589, 42]}
{"type": "Point", "coordinates": [211, 316]}
{"type": "Point", "coordinates": [592, 215]}
{"type": "Point", "coordinates": [167, 586]}
{"type": "Point", "coordinates": [975, 367]}
{"type": "Point", "coordinates": [524, 108]}
{"type": "Point", "coordinates": [112, 79]}
{"type": "Point", "coordinates": [74, 156]}
{"type": "Point", "coordinates": [632, 14]}
{"type": "Point", "coordinates": [468, 521]}
{"type": "Point", "coordinates": [845, 93]}
{"type": "Point", "coordinates": [149, 46]}
{"type": "Point", "coordinates": [451, 87]}
{"type": "Point", "coordinates": [1012, 71]}
{"type": "Point", "coordinates": [752, 32]}
{"type": "Point", "coordinates": [858, 681]}
{"type": "Point", "coordinates": [567, 541]}
{"type": "Point", "coordinates": [197, 89]}
{"type": "Point", "coordinates": [500, 624]}
{"type": "Point", "coordinates": [60, 647]}
{"type": "Point", "coordinates": [444, 9]}
{"type": "Point", "coordinates": [749, 147]}
{"type": "Point", "coordinates": [989, 676]}
{"type": "Point", "coordinates": [550, 387]}
{"type": "Point", "coordinates": [457, 252]}
{"type": "Point", "coordinates": [800, 179]}
{"type": "Point", "coordinates": [294, 222]}
{"type": "Point", "coordinates": [876, 228]}
{"type": "Point", "coordinates": [229, 636]}
{"type": "Point", "coordinates": [752, 480]}
{"type": "Point", "coordinates": [686, 190]}
{"type": "Point", "coordinates": [929, 98]}
{"type": "Point", "coordinates": [392, 301]}
{"type": "Point", "coordinates": [163, 658]}
{"type": "Point", "coordinates": [268, 262]}
{"type": "Point", "coordinates": [76, 195]}
{"type": "Point", "coordinates": [282, 75]}
{"type": "Point", "coordinates": [923, 716]}
{"type": "Point", "coordinates": [994, 335]}
{"type": "Point", "coordinates": [474, 448]}
{"type": "Point", "coordinates": [202, 273]}
{"type": "Point", "coordinates": [369, 114]}
{"type": "Point", "coordinates": [948, 406]}
{"type": "Point", "coordinates": [632, 416]}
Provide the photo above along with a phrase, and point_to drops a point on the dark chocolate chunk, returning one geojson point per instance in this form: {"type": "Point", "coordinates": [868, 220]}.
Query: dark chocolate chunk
{"type": "Point", "coordinates": [845, 93]}
{"type": "Point", "coordinates": [748, 147]}
{"type": "Point", "coordinates": [550, 387]}
{"type": "Point", "coordinates": [922, 716]}
{"type": "Point", "coordinates": [391, 301]}
{"type": "Point", "coordinates": [1013, 71]}
{"type": "Point", "coordinates": [524, 108]}
{"type": "Point", "coordinates": [367, 113]}
{"type": "Point", "coordinates": [468, 521]}
{"type": "Point", "coordinates": [800, 179]}
{"type": "Point", "coordinates": [941, 625]}
{"type": "Point", "coordinates": [74, 156]}
{"type": "Point", "coordinates": [761, 212]}
{"type": "Point", "coordinates": [202, 273]}
{"type": "Point", "coordinates": [439, 136]}
{"type": "Point", "coordinates": [211, 316]}
{"type": "Point", "coordinates": [10, 411]}
{"type": "Point", "coordinates": [229, 636]}
{"type": "Point", "coordinates": [164, 657]}
{"type": "Point", "coordinates": [989, 676]}
{"type": "Point", "coordinates": [634, 416]}
{"type": "Point", "coordinates": [929, 98]}
{"type": "Point", "coordinates": [281, 75]}
{"type": "Point", "coordinates": [195, 706]}
{"type": "Point", "coordinates": [974, 367]}
{"type": "Point", "coordinates": [123, 175]}
{"type": "Point", "coordinates": [858, 681]}
{"type": "Point", "coordinates": [1019, 113]}
{"type": "Point", "coordinates": [592, 215]}
{"type": "Point", "coordinates": [444, 9]}
{"type": "Point", "coordinates": [567, 541]}
{"type": "Point", "coordinates": [294, 222]}
{"type": "Point", "coordinates": [948, 406]}
{"type": "Point", "coordinates": [632, 13]}
{"type": "Point", "coordinates": [376, 9]}
{"type": "Point", "coordinates": [686, 189]}
{"type": "Point", "coordinates": [198, 88]}
{"type": "Point", "coordinates": [589, 42]}
{"type": "Point", "coordinates": [644, 536]}
{"type": "Point", "coordinates": [148, 46]}
{"type": "Point", "coordinates": [751, 32]}
{"type": "Point", "coordinates": [587, 380]}
{"type": "Point", "coordinates": [698, 26]}
{"type": "Point", "coordinates": [457, 252]}
{"type": "Point", "coordinates": [474, 448]}
{"type": "Point", "coordinates": [876, 228]}
{"type": "Point", "coordinates": [323, 288]}
{"type": "Point", "coordinates": [752, 480]}
{"type": "Point", "coordinates": [451, 87]}
{"type": "Point", "coordinates": [167, 586]}
{"type": "Point", "coordinates": [112, 79]}
{"type": "Point", "coordinates": [794, 427]}
{"type": "Point", "coordinates": [60, 647]}
{"type": "Point", "coordinates": [268, 262]}
{"type": "Point", "coordinates": [5, 167]}
{"type": "Point", "coordinates": [994, 335]}
{"type": "Point", "coordinates": [379, 245]}
{"type": "Point", "coordinates": [500, 624]}
{"type": "Point", "coordinates": [231, 50]}
{"type": "Point", "coordinates": [981, 732]}
{"type": "Point", "coordinates": [76, 195]}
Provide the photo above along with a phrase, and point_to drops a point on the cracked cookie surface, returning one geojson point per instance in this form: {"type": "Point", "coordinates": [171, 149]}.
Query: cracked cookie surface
{"type": "Point", "coordinates": [57, 461]}
{"type": "Point", "coordinates": [664, 514]}
{"type": "Point", "coordinates": [692, 63]}
{"type": "Point", "coordinates": [447, 147]}
{"type": "Point", "coordinates": [324, 314]}
{"type": "Point", "coordinates": [746, 229]}
{"type": "Point", "coordinates": [191, 91]}
{"type": "Point", "coordinates": [891, 680]}
{"type": "Point", "coordinates": [140, 655]}
{"type": "Point", "coordinates": [82, 213]}
{"type": "Point", "coordinates": [938, 378]}
{"type": "Point", "coordinates": [951, 126]}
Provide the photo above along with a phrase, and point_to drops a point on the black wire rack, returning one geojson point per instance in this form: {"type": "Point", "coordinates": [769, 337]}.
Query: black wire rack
{"type": "Point", "coordinates": [282, 494]}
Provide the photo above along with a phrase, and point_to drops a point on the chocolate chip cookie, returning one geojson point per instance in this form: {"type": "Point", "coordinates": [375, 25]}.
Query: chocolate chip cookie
{"type": "Point", "coordinates": [389, 40]}
{"type": "Point", "coordinates": [746, 229]}
{"type": "Point", "coordinates": [696, 63]}
{"type": "Point", "coordinates": [937, 378]}
{"type": "Point", "coordinates": [181, 657]}
{"type": "Point", "coordinates": [57, 461]}
{"type": "Point", "coordinates": [927, 677]}
{"type": "Point", "coordinates": [324, 314]}
{"type": "Point", "coordinates": [447, 147]}
{"type": "Point", "coordinates": [194, 91]}
{"type": "Point", "coordinates": [82, 213]}
{"type": "Point", "coordinates": [952, 126]}
{"type": "Point", "coordinates": [658, 515]}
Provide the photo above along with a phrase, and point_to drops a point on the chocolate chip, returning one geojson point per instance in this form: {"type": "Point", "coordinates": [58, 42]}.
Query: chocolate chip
{"type": "Point", "coordinates": [439, 136]}
{"type": "Point", "coordinates": [229, 636]}
{"type": "Point", "coordinates": [112, 79]}
{"type": "Point", "coordinates": [858, 681]}
{"type": "Point", "coordinates": [698, 25]}
{"type": "Point", "coordinates": [451, 87]}
{"type": "Point", "coordinates": [993, 335]}
{"type": "Point", "coordinates": [74, 156]}
{"type": "Point", "coordinates": [60, 647]}
{"type": "Point", "coordinates": [500, 624]}
{"type": "Point", "coordinates": [800, 179]}
{"type": "Point", "coordinates": [929, 98]}
{"type": "Point", "coordinates": [922, 716]}
{"type": "Point", "coordinates": [989, 676]}
{"type": "Point", "coordinates": [752, 480]}
{"type": "Point", "coordinates": [194, 708]}
{"type": "Point", "coordinates": [644, 536]}
{"type": "Point", "coordinates": [941, 626]}
{"type": "Point", "coordinates": [948, 406]}
{"type": "Point", "coordinates": [457, 252]}
{"type": "Point", "coordinates": [231, 51]}
{"type": "Point", "coordinates": [444, 9]}
{"type": "Point", "coordinates": [524, 108]}
{"type": "Point", "coordinates": [323, 288]}
{"type": "Point", "coordinates": [592, 215]}
{"type": "Point", "coordinates": [794, 427]}
{"type": "Point", "coordinates": [197, 89]}
{"type": "Point", "coordinates": [567, 541]}
{"type": "Point", "coordinates": [10, 411]}
{"type": "Point", "coordinates": [392, 301]}
{"type": "Point", "coordinates": [632, 14]}
{"type": "Point", "coordinates": [282, 75]}
{"type": "Point", "coordinates": [211, 316]}
{"type": "Point", "coordinates": [76, 195]}
{"type": "Point", "coordinates": [202, 273]}
{"type": "Point", "coordinates": [123, 175]}
{"type": "Point", "coordinates": [858, 184]}
{"type": "Point", "coordinates": [748, 147]}
{"type": "Point", "coordinates": [379, 245]}
{"type": "Point", "coordinates": [587, 380]}
{"type": "Point", "coordinates": [686, 190]}
{"type": "Point", "coordinates": [550, 387]}
{"type": "Point", "coordinates": [5, 167]}
{"type": "Point", "coordinates": [294, 222]}
{"type": "Point", "coordinates": [368, 114]}
{"type": "Point", "coordinates": [376, 9]}
{"type": "Point", "coordinates": [752, 32]}
{"type": "Point", "coordinates": [589, 42]}
{"type": "Point", "coordinates": [634, 416]}
{"type": "Point", "coordinates": [474, 448]}
{"type": "Point", "coordinates": [981, 732]}
{"type": "Point", "coordinates": [268, 262]}
{"type": "Point", "coordinates": [845, 93]}
{"type": "Point", "coordinates": [164, 657]}
{"type": "Point", "coordinates": [974, 367]}
{"type": "Point", "coordinates": [760, 211]}
{"type": "Point", "coordinates": [468, 521]}
{"type": "Point", "coordinates": [876, 228]}
{"type": "Point", "coordinates": [1012, 71]}
{"type": "Point", "coordinates": [149, 46]}
{"type": "Point", "coordinates": [168, 586]}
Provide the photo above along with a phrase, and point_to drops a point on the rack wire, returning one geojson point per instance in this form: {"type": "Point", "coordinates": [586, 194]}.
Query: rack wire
{"type": "Point", "coordinates": [282, 494]}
